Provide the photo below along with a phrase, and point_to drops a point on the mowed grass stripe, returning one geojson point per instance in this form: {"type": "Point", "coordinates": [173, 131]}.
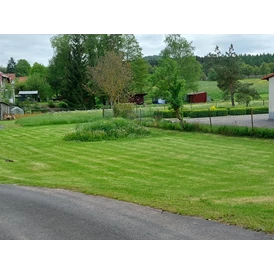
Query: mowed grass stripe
{"type": "Point", "coordinates": [227, 179]}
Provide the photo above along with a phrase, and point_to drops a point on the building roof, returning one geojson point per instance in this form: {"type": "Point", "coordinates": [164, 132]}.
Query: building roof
{"type": "Point", "coordinates": [4, 75]}
{"type": "Point", "coordinates": [195, 93]}
{"type": "Point", "coordinates": [28, 92]}
{"type": "Point", "coordinates": [3, 103]}
{"type": "Point", "coordinates": [22, 78]}
{"type": "Point", "coordinates": [268, 76]}
{"type": "Point", "coordinates": [11, 76]}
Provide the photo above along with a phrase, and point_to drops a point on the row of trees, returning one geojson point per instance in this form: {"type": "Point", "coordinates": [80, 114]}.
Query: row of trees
{"type": "Point", "coordinates": [252, 65]}
{"type": "Point", "coordinates": [92, 69]}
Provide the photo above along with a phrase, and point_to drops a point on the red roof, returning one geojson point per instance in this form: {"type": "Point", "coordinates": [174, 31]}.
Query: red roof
{"type": "Point", "coordinates": [268, 76]}
{"type": "Point", "coordinates": [11, 76]}
{"type": "Point", "coordinates": [22, 78]}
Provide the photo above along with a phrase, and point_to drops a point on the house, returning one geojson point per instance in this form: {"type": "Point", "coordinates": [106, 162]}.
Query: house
{"type": "Point", "coordinates": [7, 78]}
{"type": "Point", "coordinates": [199, 97]}
{"type": "Point", "coordinates": [270, 79]}
{"type": "Point", "coordinates": [4, 78]}
{"type": "Point", "coordinates": [4, 110]}
{"type": "Point", "coordinates": [32, 95]}
{"type": "Point", "coordinates": [138, 98]}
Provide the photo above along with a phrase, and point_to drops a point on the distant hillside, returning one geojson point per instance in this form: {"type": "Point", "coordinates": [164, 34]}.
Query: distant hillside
{"type": "Point", "coordinates": [253, 60]}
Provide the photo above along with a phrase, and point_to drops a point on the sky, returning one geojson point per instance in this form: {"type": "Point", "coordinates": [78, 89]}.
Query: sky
{"type": "Point", "coordinates": [37, 47]}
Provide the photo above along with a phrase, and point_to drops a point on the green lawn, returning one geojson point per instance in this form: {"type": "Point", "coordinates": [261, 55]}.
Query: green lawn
{"type": "Point", "coordinates": [216, 94]}
{"type": "Point", "coordinates": [221, 178]}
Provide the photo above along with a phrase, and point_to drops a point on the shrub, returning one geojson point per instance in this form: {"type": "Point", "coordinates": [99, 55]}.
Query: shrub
{"type": "Point", "coordinates": [237, 111]}
{"type": "Point", "coordinates": [222, 112]}
{"type": "Point", "coordinates": [125, 110]}
{"type": "Point", "coordinates": [202, 113]}
{"type": "Point", "coordinates": [62, 105]}
{"type": "Point", "coordinates": [257, 110]}
{"type": "Point", "coordinates": [51, 104]}
{"type": "Point", "coordinates": [108, 129]}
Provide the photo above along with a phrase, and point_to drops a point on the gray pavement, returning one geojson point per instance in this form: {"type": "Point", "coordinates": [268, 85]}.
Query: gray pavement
{"type": "Point", "coordinates": [31, 213]}
{"type": "Point", "coordinates": [259, 120]}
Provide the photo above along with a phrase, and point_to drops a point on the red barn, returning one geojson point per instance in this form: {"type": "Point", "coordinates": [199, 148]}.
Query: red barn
{"type": "Point", "coordinates": [138, 98]}
{"type": "Point", "coordinates": [199, 97]}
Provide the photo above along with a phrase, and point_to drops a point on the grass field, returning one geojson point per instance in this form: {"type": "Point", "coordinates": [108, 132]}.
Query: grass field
{"type": "Point", "coordinates": [221, 178]}
{"type": "Point", "coordinates": [216, 94]}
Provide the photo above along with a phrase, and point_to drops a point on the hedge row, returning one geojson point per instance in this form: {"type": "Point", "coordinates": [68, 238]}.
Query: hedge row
{"type": "Point", "coordinates": [206, 112]}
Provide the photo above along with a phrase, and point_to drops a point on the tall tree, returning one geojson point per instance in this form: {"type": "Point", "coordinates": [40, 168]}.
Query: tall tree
{"type": "Point", "coordinates": [58, 63]}
{"type": "Point", "coordinates": [11, 66]}
{"type": "Point", "coordinates": [131, 48]}
{"type": "Point", "coordinates": [22, 68]}
{"type": "Point", "coordinates": [140, 74]}
{"type": "Point", "coordinates": [182, 51]}
{"type": "Point", "coordinates": [228, 69]}
{"type": "Point", "coordinates": [75, 73]}
{"type": "Point", "coordinates": [167, 78]}
{"type": "Point", "coordinates": [111, 75]}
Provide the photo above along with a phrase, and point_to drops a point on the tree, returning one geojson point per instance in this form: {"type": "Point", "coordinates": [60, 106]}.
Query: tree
{"type": "Point", "coordinates": [111, 75]}
{"type": "Point", "coordinates": [6, 93]}
{"type": "Point", "coordinates": [247, 70]}
{"type": "Point", "coordinates": [264, 69]}
{"type": "Point", "coordinates": [167, 78]}
{"type": "Point", "coordinates": [38, 82]}
{"type": "Point", "coordinates": [130, 48]}
{"type": "Point", "coordinates": [3, 69]}
{"type": "Point", "coordinates": [228, 71]}
{"type": "Point", "coordinates": [182, 51]}
{"type": "Point", "coordinates": [11, 65]}
{"type": "Point", "coordinates": [58, 63]}
{"type": "Point", "coordinates": [245, 92]}
{"type": "Point", "coordinates": [22, 68]}
{"type": "Point", "coordinates": [140, 74]}
{"type": "Point", "coordinates": [75, 73]}
{"type": "Point", "coordinates": [38, 69]}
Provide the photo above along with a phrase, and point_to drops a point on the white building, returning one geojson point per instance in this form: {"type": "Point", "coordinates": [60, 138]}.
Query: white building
{"type": "Point", "coordinates": [270, 79]}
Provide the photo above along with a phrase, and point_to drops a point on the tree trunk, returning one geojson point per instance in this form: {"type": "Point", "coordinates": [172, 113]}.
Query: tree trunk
{"type": "Point", "coordinates": [179, 116]}
{"type": "Point", "coordinates": [232, 96]}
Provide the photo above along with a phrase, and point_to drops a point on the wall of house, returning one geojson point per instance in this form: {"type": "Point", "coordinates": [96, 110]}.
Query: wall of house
{"type": "Point", "coordinates": [4, 109]}
{"type": "Point", "coordinates": [271, 98]}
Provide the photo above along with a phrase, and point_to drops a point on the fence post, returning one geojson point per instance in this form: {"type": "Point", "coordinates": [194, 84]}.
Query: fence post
{"type": "Point", "coordinates": [209, 112]}
{"type": "Point", "coordinates": [252, 124]}
{"type": "Point", "coordinates": [103, 113]}
{"type": "Point", "coordinates": [140, 116]}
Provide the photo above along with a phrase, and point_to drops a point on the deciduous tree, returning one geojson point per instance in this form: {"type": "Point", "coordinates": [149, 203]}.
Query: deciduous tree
{"type": "Point", "coordinates": [245, 92]}
{"type": "Point", "coordinates": [182, 51]}
{"type": "Point", "coordinates": [22, 68]}
{"type": "Point", "coordinates": [111, 75]}
{"type": "Point", "coordinates": [167, 78]}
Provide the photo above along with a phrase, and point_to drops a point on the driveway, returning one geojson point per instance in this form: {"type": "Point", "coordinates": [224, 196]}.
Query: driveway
{"type": "Point", "coordinates": [259, 120]}
{"type": "Point", "coordinates": [54, 214]}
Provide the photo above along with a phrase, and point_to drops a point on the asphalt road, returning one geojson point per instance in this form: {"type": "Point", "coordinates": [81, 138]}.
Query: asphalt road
{"type": "Point", "coordinates": [259, 120]}
{"type": "Point", "coordinates": [46, 214]}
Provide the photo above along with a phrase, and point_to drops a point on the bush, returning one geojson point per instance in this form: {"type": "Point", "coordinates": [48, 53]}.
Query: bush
{"type": "Point", "coordinates": [62, 105]}
{"type": "Point", "coordinates": [164, 114]}
{"type": "Point", "coordinates": [109, 129]}
{"type": "Point", "coordinates": [202, 113]}
{"type": "Point", "coordinates": [237, 111]}
{"type": "Point", "coordinates": [257, 110]}
{"type": "Point", "coordinates": [125, 110]}
{"type": "Point", "coordinates": [51, 104]}
{"type": "Point", "coordinates": [222, 112]}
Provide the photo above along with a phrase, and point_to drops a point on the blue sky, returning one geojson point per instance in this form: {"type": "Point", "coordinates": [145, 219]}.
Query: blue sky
{"type": "Point", "coordinates": [37, 47]}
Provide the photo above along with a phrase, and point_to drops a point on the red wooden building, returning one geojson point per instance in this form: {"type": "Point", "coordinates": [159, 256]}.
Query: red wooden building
{"type": "Point", "coordinates": [199, 97]}
{"type": "Point", "coordinates": [138, 98]}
